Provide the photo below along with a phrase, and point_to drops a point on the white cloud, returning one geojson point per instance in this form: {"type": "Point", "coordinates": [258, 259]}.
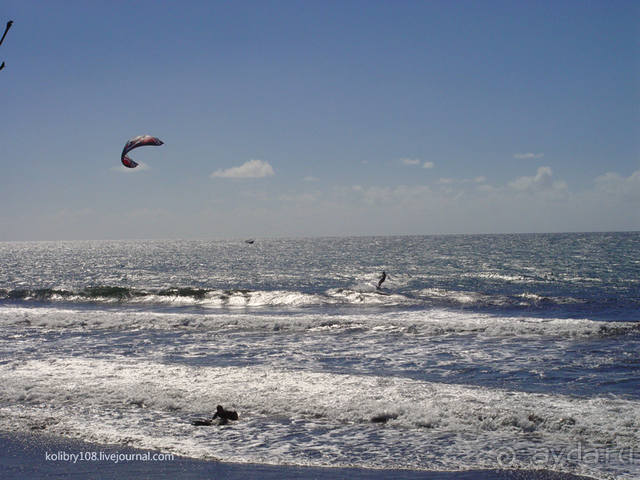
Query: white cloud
{"type": "Point", "coordinates": [310, 178]}
{"type": "Point", "coordinates": [410, 161]}
{"type": "Point", "coordinates": [527, 156]}
{"type": "Point", "coordinates": [414, 162]}
{"type": "Point", "coordinates": [615, 184]}
{"type": "Point", "coordinates": [250, 169]}
{"type": "Point", "coordinates": [399, 195]}
{"type": "Point", "coordinates": [450, 181]}
{"type": "Point", "coordinates": [542, 181]}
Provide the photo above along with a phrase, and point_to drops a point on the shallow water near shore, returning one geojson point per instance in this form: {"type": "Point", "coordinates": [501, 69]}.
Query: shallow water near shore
{"type": "Point", "coordinates": [41, 456]}
{"type": "Point", "coordinates": [481, 353]}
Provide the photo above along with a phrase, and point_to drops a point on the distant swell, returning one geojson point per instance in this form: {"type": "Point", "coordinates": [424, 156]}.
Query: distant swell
{"type": "Point", "coordinates": [95, 293]}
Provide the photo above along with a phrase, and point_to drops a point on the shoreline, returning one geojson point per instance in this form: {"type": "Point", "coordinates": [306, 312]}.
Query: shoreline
{"type": "Point", "coordinates": [39, 455]}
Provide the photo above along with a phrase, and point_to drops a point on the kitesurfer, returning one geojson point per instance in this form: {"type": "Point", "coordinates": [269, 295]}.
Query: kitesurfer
{"type": "Point", "coordinates": [221, 414]}
{"type": "Point", "coordinates": [383, 277]}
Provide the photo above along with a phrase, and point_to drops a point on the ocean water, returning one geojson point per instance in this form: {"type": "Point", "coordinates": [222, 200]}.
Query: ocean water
{"type": "Point", "coordinates": [480, 352]}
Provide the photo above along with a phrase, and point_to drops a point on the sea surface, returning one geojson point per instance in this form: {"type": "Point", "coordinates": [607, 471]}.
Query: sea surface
{"type": "Point", "coordinates": [479, 352]}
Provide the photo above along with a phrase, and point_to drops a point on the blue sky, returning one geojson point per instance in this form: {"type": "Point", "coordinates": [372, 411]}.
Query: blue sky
{"type": "Point", "coordinates": [307, 118]}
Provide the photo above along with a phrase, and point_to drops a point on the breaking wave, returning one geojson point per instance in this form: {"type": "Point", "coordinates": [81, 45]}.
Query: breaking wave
{"type": "Point", "coordinates": [204, 297]}
{"type": "Point", "coordinates": [231, 298]}
{"type": "Point", "coordinates": [432, 322]}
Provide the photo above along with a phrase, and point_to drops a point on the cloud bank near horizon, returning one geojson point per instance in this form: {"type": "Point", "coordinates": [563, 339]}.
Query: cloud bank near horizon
{"type": "Point", "coordinates": [539, 202]}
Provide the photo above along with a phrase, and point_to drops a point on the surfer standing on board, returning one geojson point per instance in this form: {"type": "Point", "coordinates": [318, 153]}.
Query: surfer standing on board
{"type": "Point", "coordinates": [383, 277]}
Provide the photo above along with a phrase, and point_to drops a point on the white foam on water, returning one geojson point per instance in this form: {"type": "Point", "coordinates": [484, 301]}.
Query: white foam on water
{"type": "Point", "coordinates": [416, 322]}
{"type": "Point", "coordinates": [501, 277]}
{"type": "Point", "coordinates": [370, 297]}
{"type": "Point", "coordinates": [470, 298]}
{"type": "Point", "coordinates": [314, 418]}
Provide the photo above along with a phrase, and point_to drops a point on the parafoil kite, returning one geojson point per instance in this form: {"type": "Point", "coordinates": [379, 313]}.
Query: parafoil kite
{"type": "Point", "coordinates": [136, 142]}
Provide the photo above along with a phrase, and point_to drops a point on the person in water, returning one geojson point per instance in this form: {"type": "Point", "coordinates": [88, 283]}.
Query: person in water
{"type": "Point", "coordinates": [221, 414]}
{"type": "Point", "coordinates": [383, 277]}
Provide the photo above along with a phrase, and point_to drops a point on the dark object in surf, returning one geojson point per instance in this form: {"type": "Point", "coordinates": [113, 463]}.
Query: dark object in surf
{"type": "Point", "coordinates": [384, 418]}
{"type": "Point", "coordinates": [202, 423]}
{"type": "Point", "coordinates": [221, 414]}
